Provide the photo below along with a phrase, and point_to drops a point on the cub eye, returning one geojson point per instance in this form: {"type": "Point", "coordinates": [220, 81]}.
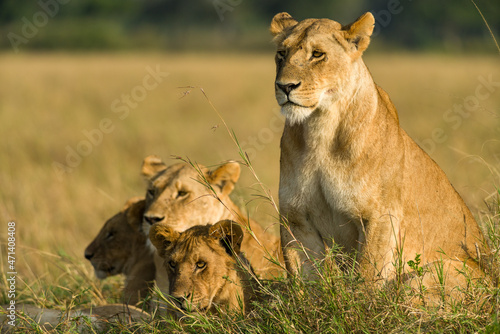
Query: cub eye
{"type": "Point", "coordinates": [110, 235]}
{"type": "Point", "coordinates": [171, 264]}
{"type": "Point", "coordinates": [318, 54]}
{"type": "Point", "coordinates": [281, 54]}
{"type": "Point", "coordinates": [181, 193]}
{"type": "Point", "coordinates": [151, 192]}
{"type": "Point", "coordinates": [201, 264]}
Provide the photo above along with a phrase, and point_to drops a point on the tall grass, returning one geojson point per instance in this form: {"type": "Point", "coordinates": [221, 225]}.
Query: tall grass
{"type": "Point", "coordinates": [337, 302]}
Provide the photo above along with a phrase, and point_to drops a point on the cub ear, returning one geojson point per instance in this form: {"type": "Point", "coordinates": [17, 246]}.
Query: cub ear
{"type": "Point", "coordinates": [225, 177]}
{"type": "Point", "coordinates": [281, 22]}
{"type": "Point", "coordinates": [135, 210]}
{"type": "Point", "coordinates": [162, 237]}
{"type": "Point", "coordinates": [230, 235]}
{"type": "Point", "coordinates": [152, 165]}
{"type": "Point", "coordinates": [358, 33]}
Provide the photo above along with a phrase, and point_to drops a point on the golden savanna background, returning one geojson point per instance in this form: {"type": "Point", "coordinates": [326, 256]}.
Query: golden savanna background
{"type": "Point", "coordinates": [76, 124]}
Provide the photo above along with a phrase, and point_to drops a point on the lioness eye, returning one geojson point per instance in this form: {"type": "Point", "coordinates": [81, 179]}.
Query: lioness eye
{"type": "Point", "coordinates": [110, 235]}
{"type": "Point", "coordinates": [200, 264]}
{"type": "Point", "coordinates": [151, 192]}
{"type": "Point", "coordinates": [181, 193]}
{"type": "Point", "coordinates": [317, 54]}
{"type": "Point", "coordinates": [281, 54]}
{"type": "Point", "coordinates": [171, 264]}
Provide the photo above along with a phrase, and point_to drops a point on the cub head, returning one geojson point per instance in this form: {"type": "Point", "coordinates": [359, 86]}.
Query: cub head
{"type": "Point", "coordinates": [112, 250]}
{"type": "Point", "coordinates": [316, 61]}
{"type": "Point", "coordinates": [200, 263]}
{"type": "Point", "coordinates": [178, 197]}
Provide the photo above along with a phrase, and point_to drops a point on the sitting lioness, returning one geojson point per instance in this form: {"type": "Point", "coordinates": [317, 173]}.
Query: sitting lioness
{"type": "Point", "coordinates": [348, 172]}
{"type": "Point", "coordinates": [179, 197]}
{"type": "Point", "coordinates": [121, 247]}
{"type": "Point", "coordinates": [203, 266]}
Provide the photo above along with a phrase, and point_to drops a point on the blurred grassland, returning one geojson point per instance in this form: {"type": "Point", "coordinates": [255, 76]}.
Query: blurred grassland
{"type": "Point", "coordinates": [48, 100]}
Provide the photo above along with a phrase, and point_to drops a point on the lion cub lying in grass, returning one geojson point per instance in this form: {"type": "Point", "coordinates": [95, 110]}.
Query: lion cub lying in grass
{"type": "Point", "coordinates": [120, 247]}
{"type": "Point", "coordinates": [204, 266]}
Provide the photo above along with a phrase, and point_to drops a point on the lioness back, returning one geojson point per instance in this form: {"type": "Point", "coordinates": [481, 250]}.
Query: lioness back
{"type": "Point", "coordinates": [348, 172]}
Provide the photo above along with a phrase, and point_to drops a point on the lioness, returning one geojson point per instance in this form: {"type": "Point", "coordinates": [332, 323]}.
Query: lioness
{"type": "Point", "coordinates": [202, 266]}
{"type": "Point", "coordinates": [348, 171]}
{"type": "Point", "coordinates": [178, 198]}
{"type": "Point", "coordinates": [120, 247]}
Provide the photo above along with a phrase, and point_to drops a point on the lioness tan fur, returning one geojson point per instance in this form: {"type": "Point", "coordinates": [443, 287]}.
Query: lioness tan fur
{"type": "Point", "coordinates": [203, 266]}
{"type": "Point", "coordinates": [177, 197]}
{"type": "Point", "coordinates": [348, 171]}
{"type": "Point", "coordinates": [121, 247]}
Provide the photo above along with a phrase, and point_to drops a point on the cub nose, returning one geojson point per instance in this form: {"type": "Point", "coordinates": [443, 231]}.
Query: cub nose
{"type": "Point", "coordinates": [153, 219]}
{"type": "Point", "coordinates": [287, 88]}
{"type": "Point", "coordinates": [179, 300]}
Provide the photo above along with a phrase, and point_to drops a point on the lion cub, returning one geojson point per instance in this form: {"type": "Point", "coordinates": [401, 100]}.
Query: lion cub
{"type": "Point", "coordinates": [120, 247]}
{"type": "Point", "coordinates": [204, 266]}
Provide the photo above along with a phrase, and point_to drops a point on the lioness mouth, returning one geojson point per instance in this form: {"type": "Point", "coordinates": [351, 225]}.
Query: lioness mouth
{"type": "Point", "coordinates": [298, 105]}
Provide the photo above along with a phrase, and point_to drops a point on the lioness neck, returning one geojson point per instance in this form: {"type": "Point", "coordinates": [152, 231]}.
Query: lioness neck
{"type": "Point", "coordinates": [140, 273]}
{"type": "Point", "coordinates": [339, 124]}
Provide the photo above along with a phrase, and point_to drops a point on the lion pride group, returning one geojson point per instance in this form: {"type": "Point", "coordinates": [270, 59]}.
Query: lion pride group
{"type": "Point", "coordinates": [349, 176]}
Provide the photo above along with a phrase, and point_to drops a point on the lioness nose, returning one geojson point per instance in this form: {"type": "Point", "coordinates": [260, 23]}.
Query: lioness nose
{"type": "Point", "coordinates": [88, 255]}
{"type": "Point", "coordinates": [287, 88]}
{"type": "Point", "coordinates": [153, 219]}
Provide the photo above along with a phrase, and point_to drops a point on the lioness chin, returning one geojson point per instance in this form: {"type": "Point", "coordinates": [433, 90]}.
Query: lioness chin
{"type": "Point", "coordinates": [348, 171]}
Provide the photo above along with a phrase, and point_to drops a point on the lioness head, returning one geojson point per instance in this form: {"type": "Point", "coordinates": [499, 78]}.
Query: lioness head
{"type": "Point", "coordinates": [178, 197]}
{"type": "Point", "coordinates": [111, 252]}
{"type": "Point", "coordinates": [315, 61]}
{"type": "Point", "coordinates": [201, 264]}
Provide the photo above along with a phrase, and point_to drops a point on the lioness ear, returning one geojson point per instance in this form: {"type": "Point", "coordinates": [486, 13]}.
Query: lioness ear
{"type": "Point", "coordinates": [135, 211]}
{"type": "Point", "coordinates": [229, 233]}
{"type": "Point", "coordinates": [281, 22]}
{"type": "Point", "coordinates": [152, 165]}
{"type": "Point", "coordinates": [358, 33]}
{"type": "Point", "coordinates": [225, 177]}
{"type": "Point", "coordinates": [162, 237]}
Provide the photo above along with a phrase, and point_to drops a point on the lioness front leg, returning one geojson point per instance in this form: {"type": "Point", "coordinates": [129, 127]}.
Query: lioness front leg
{"type": "Point", "coordinates": [381, 248]}
{"type": "Point", "coordinates": [300, 255]}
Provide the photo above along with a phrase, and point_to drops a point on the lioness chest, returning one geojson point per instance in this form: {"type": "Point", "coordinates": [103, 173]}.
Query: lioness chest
{"type": "Point", "coordinates": [319, 197]}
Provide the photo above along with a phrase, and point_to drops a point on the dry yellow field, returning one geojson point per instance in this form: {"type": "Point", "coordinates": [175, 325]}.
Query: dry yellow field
{"type": "Point", "coordinates": [75, 129]}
